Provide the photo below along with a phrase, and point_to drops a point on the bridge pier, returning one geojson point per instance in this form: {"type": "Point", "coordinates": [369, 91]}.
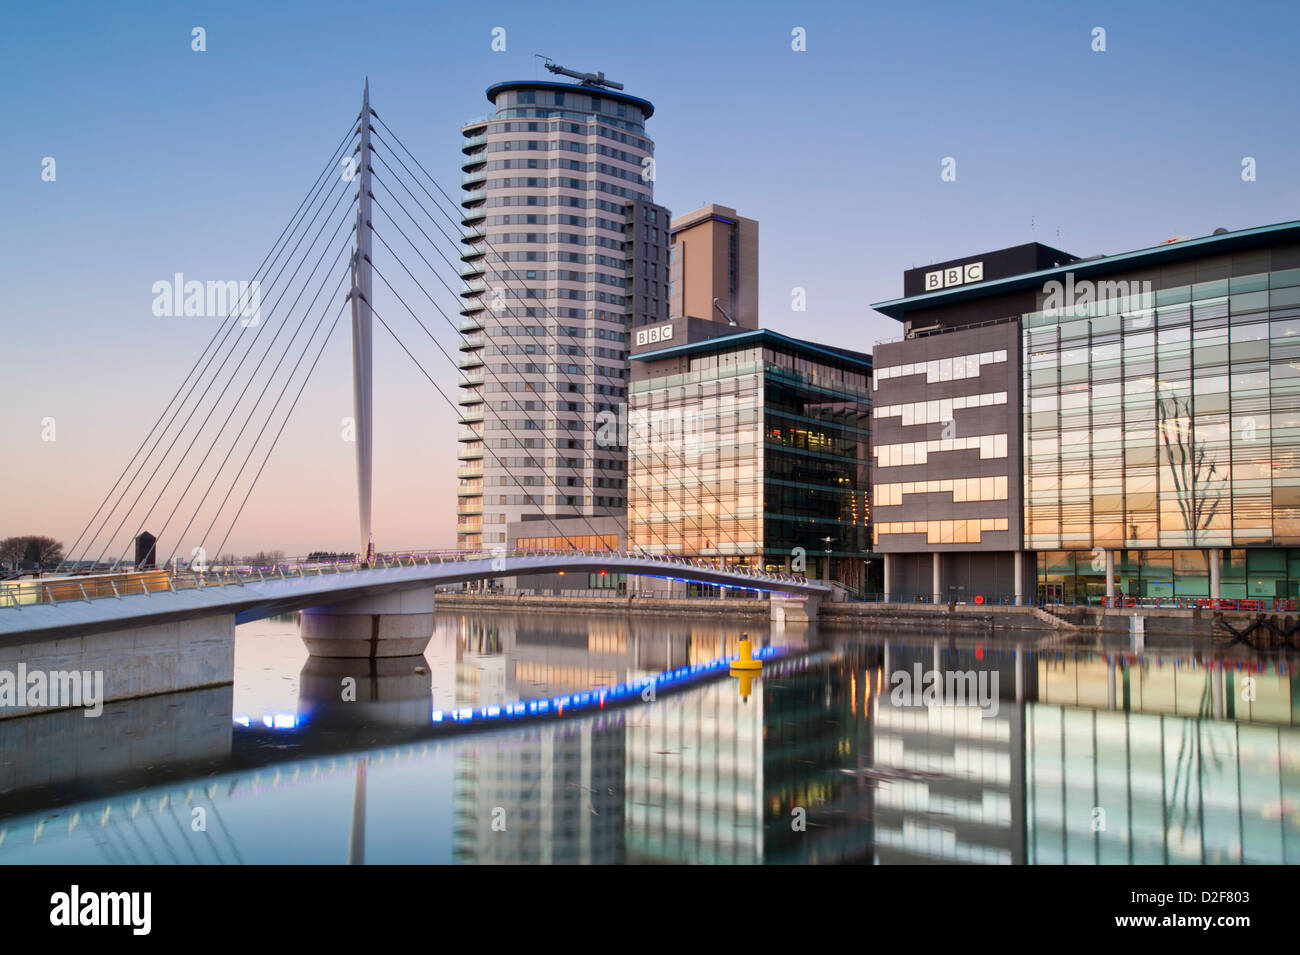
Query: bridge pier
{"type": "Point", "coordinates": [124, 664]}
{"type": "Point", "coordinates": [384, 691]}
{"type": "Point", "coordinates": [391, 625]}
{"type": "Point", "coordinates": [792, 608]}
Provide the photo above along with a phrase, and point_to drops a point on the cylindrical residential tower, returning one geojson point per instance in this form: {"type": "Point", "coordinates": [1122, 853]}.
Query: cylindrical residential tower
{"type": "Point", "coordinates": [556, 184]}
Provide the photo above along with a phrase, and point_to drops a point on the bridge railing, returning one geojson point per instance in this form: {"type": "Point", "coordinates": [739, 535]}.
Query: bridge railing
{"type": "Point", "coordinates": [996, 599]}
{"type": "Point", "coordinates": [107, 584]}
{"type": "Point", "coordinates": [512, 593]}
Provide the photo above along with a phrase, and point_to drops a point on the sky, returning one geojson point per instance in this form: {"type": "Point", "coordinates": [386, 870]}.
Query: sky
{"type": "Point", "coordinates": [173, 160]}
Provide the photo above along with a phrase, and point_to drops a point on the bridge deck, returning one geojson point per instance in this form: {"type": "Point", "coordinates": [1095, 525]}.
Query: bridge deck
{"type": "Point", "coordinates": [253, 594]}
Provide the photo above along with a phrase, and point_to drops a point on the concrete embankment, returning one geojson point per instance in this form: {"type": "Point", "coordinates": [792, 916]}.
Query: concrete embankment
{"type": "Point", "coordinates": [614, 603]}
{"type": "Point", "coordinates": [964, 618]}
{"type": "Point", "coordinates": [960, 618]}
{"type": "Point", "coordinates": [1081, 621]}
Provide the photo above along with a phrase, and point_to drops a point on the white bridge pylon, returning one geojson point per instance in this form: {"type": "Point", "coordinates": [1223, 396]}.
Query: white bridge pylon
{"type": "Point", "coordinates": [362, 353]}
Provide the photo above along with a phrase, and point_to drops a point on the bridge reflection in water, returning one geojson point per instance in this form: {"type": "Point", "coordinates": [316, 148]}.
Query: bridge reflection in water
{"type": "Point", "coordinates": [822, 762]}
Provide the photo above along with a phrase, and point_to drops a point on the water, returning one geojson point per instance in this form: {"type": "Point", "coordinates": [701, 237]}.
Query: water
{"type": "Point", "coordinates": [1054, 754]}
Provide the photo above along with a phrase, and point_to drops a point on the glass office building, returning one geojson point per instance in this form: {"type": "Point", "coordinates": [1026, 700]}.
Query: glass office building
{"type": "Point", "coordinates": [751, 447]}
{"type": "Point", "coordinates": [1126, 788]}
{"type": "Point", "coordinates": [1155, 409]}
{"type": "Point", "coordinates": [1165, 426]}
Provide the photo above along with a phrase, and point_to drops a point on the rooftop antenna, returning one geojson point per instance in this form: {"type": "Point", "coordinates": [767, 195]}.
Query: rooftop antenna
{"type": "Point", "coordinates": [584, 79]}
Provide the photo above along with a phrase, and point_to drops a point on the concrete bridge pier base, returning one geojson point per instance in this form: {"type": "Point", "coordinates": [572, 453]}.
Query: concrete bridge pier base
{"type": "Point", "coordinates": [788, 608]}
{"type": "Point", "coordinates": [392, 625]}
{"type": "Point", "coordinates": [344, 693]}
{"type": "Point", "coordinates": [123, 664]}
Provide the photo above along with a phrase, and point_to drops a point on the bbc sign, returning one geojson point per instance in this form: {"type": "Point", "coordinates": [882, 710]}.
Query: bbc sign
{"type": "Point", "coordinates": [954, 275]}
{"type": "Point", "coordinates": [654, 333]}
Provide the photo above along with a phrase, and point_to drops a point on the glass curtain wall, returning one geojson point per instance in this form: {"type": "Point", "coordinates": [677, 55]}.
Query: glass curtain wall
{"type": "Point", "coordinates": [696, 459]}
{"type": "Point", "coordinates": [1160, 425]}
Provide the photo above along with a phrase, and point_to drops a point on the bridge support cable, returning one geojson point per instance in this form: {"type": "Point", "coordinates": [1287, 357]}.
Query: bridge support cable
{"type": "Point", "coordinates": [203, 392]}
{"type": "Point", "coordinates": [266, 424]}
{"type": "Point", "coordinates": [504, 424]}
{"type": "Point", "coordinates": [452, 404]}
{"type": "Point", "coordinates": [276, 440]}
{"type": "Point", "coordinates": [262, 269]}
{"type": "Point", "coordinates": [487, 368]}
{"type": "Point", "coordinates": [235, 373]}
{"type": "Point", "coordinates": [505, 280]}
{"type": "Point", "coordinates": [256, 403]}
{"type": "Point", "coordinates": [185, 834]}
{"type": "Point", "coordinates": [228, 381]}
{"type": "Point", "coordinates": [588, 376]}
{"type": "Point", "coordinates": [370, 231]}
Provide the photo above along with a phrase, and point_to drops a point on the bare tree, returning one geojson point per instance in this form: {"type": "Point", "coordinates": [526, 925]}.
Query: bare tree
{"type": "Point", "coordinates": [11, 550]}
{"type": "Point", "coordinates": [33, 549]}
{"type": "Point", "coordinates": [1196, 478]}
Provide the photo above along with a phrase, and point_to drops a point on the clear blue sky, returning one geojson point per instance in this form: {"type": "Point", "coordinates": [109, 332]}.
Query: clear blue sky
{"type": "Point", "coordinates": [170, 160]}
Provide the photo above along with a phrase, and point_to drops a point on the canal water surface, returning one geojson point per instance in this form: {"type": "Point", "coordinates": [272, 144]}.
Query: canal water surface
{"type": "Point", "coordinates": [547, 738]}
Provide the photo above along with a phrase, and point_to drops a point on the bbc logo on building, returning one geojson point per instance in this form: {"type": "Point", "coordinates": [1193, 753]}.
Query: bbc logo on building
{"type": "Point", "coordinates": [954, 275]}
{"type": "Point", "coordinates": [648, 336]}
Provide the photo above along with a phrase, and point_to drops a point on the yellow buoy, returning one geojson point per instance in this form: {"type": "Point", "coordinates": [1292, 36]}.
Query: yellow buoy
{"type": "Point", "coordinates": [746, 659]}
{"type": "Point", "coordinates": [745, 683]}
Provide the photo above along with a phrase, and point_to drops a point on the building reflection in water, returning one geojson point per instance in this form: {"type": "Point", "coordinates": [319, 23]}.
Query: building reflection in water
{"type": "Point", "coordinates": [560, 792]}
{"type": "Point", "coordinates": [730, 779]}
{"type": "Point", "coordinates": [549, 794]}
{"type": "Point", "coordinates": [951, 771]}
{"type": "Point", "coordinates": [1162, 762]}
{"type": "Point", "coordinates": [1085, 758]}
